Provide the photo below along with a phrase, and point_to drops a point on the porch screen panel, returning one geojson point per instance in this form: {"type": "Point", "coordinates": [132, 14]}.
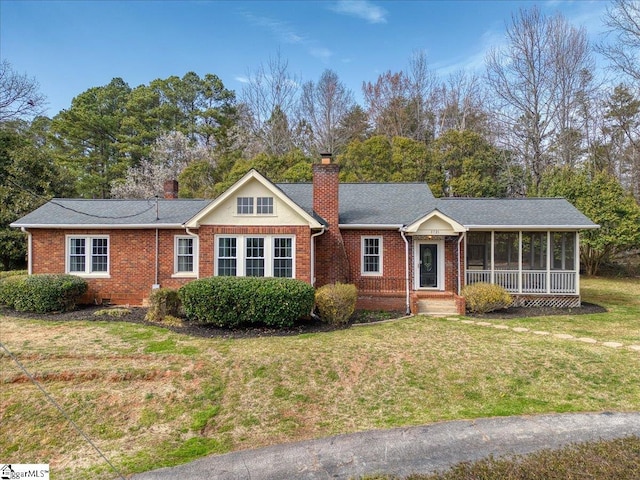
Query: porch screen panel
{"type": "Point", "coordinates": [534, 250]}
{"type": "Point", "coordinates": [563, 251]}
{"type": "Point", "coordinates": [479, 251]}
{"type": "Point", "coordinates": [506, 251]}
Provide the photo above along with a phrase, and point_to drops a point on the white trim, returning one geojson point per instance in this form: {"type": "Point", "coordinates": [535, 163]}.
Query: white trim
{"type": "Point", "coordinates": [414, 228]}
{"type": "Point", "coordinates": [196, 255]}
{"type": "Point", "coordinates": [88, 239]}
{"type": "Point", "coordinates": [103, 226]}
{"type": "Point", "coordinates": [530, 228]}
{"type": "Point", "coordinates": [367, 226]}
{"type": "Point", "coordinates": [439, 242]}
{"type": "Point", "coordinates": [268, 252]}
{"type": "Point", "coordinates": [29, 250]}
{"type": "Point", "coordinates": [380, 271]}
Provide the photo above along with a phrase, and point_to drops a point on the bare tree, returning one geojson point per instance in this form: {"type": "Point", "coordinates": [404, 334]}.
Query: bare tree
{"type": "Point", "coordinates": [623, 19]}
{"type": "Point", "coordinates": [19, 95]}
{"type": "Point", "coordinates": [268, 100]}
{"type": "Point", "coordinates": [536, 80]}
{"type": "Point", "coordinates": [324, 106]}
{"type": "Point", "coordinates": [462, 105]}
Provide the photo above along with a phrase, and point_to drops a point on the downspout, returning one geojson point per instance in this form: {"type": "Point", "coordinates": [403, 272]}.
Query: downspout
{"type": "Point", "coordinates": [406, 270]}
{"type": "Point", "coordinates": [29, 250]}
{"type": "Point", "coordinates": [195, 235]}
{"type": "Point", "coordinates": [156, 284]}
{"type": "Point", "coordinates": [313, 255]}
{"type": "Point", "coordinates": [462, 237]}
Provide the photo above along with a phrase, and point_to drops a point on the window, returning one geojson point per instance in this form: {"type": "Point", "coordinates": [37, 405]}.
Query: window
{"type": "Point", "coordinates": [259, 205]}
{"type": "Point", "coordinates": [227, 260]}
{"type": "Point", "coordinates": [371, 255]}
{"type": "Point", "coordinates": [245, 205]}
{"type": "Point", "coordinates": [185, 255]}
{"type": "Point", "coordinates": [88, 255]}
{"type": "Point", "coordinates": [283, 257]}
{"type": "Point", "coordinates": [255, 256]}
{"type": "Point", "coordinates": [254, 263]}
{"type": "Point", "coordinates": [264, 206]}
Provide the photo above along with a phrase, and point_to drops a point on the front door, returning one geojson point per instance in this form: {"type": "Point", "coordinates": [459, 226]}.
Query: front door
{"type": "Point", "coordinates": [428, 265]}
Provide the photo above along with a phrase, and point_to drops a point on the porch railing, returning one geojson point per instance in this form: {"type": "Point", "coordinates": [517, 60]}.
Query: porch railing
{"type": "Point", "coordinates": [529, 281]}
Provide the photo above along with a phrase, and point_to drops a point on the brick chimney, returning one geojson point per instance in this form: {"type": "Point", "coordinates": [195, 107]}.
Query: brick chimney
{"type": "Point", "coordinates": [331, 259]}
{"type": "Point", "coordinates": [170, 189]}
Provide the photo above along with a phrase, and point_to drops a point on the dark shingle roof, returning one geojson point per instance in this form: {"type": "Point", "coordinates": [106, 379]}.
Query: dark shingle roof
{"type": "Point", "coordinates": [513, 212]}
{"type": "Point", "coordinates": [361, 204]}
{"type": "Point", "coordinates": [62, 212]}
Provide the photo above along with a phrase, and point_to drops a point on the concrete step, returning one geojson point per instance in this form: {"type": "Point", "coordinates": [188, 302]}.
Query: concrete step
{"type": "Point", "coordinates": [437, 307]}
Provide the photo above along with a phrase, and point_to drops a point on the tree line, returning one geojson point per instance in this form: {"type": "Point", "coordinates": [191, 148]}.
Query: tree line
{"type": "Point", "coordinates": [537, 119]}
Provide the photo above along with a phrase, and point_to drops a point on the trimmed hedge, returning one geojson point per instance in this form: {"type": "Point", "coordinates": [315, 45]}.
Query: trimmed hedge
{"type": "Point", "coordinates": [234, 301]}
{"type": "Point", "coordinates": [485, 297]}
{"type": "Point", "coordinates": [336, 302]}
{"type": "Point", "coordinates": [42, 293]}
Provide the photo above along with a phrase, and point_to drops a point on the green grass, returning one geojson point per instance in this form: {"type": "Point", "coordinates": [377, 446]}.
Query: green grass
{"type": "Point", "coordinates": [149, 397]}
{"type": "Point", "coordinates": [605, 460]}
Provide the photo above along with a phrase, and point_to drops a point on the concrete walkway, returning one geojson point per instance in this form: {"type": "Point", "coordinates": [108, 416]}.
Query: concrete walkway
{"type": "Point", "coordinates": [403, 451]}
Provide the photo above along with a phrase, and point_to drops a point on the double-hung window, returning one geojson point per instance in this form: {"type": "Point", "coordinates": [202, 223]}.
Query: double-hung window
{"type": "Point", "coordinates": [227, 256]}
{"type": "Point", "coordinates": [255, 256]}
{"type": "Point", "coordinates": [371, 256]}
{"type": "Point", "coordinates": [186, 256]}
{"type": "Point", "coordinates": [88, 255]}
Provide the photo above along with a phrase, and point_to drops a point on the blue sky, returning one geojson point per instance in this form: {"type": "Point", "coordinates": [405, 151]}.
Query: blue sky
{"type": "Point", "coordinates": [70, 46]}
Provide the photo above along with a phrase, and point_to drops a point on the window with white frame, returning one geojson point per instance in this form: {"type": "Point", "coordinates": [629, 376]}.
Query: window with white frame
{"type": "Point", "coordinates": [259, 205]}
{"type": "Point", "coordinates": [264, 205]}
{"type": "Point", "coordinates": [371, 256]}
{"type": "Point", "coordinates": [255, 256]}
{"type": "Point", "coordinates": [245, 205]}
{"type": "Point", "coordinates": [227, 256]}
{"type": "Point", "coordinates": [283, 257]}
{"type": "Point", "coordinates": [185, 255]}
{"type": "Point", "coordinates": [88, 255]}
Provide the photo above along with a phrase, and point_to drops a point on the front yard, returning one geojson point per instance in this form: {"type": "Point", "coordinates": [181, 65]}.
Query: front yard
{"type": "Point", "coordinates": [149, 397]}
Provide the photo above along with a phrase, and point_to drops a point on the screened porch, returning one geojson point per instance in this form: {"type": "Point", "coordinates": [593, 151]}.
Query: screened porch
{"type": "Point", "coordinates": [524, 262]}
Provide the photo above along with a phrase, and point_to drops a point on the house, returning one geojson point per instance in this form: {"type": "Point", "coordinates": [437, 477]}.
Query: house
{"type": "Point", "coordinates": [403, 248]}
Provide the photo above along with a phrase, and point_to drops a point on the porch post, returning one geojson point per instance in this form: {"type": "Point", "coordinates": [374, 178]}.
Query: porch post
{"type": "Point", "coordinates": [548, 262]}
{"type": "Point", "coordinates": [520, 261]}
{"type": "Point", "coordinates": [576, 262]}
{"type": "Point", "coordinates": [493, 263]}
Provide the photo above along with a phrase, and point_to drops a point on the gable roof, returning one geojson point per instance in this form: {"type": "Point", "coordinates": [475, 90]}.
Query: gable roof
{"type": "Point", "coordinates": [314, 220]}
{"type": "Point", "coordinates": [114, 213]}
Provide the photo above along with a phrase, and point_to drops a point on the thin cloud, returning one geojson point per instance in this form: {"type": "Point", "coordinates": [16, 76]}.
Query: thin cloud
{"type": "Point", "coordinates": [361, 9]}
{"type": "Point", "coordinates": [475, 60]}
{"type": "Point", "coordinates": [321, 53]}
{"type": "Point", "coordinates": [279, 29]}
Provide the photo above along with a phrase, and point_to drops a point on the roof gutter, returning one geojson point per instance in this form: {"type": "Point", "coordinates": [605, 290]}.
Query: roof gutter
{"type": "Point", "coordinates": [78, 226]}
{"type": "Point", "coordinates": [533, 227]}
{"type": "Point", "coordinates": [364, 226]}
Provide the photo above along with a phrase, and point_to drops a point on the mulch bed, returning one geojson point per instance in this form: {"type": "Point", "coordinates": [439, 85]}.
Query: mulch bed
{"type": "Point", "coordinates": [137, 315]}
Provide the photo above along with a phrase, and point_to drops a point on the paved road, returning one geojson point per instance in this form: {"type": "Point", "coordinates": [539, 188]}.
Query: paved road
{"type": "Point", "coordinates": [402, 451]}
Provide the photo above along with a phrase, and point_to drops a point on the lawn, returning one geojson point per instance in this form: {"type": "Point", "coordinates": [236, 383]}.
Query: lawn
{"type": "Point", "coordinates": [148, 397]}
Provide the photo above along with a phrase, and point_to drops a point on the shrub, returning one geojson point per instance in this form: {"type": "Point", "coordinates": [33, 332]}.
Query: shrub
{"type": "Point", "coordinates": [42, 293]}
{"type": "Point", "coordinates": [337, 302]}
{"type": "Point", "coordinates": [234, 301]}
{"type": "Point", "coordinates": [485, 297]}
{"type": "Point", "coordinates": [163, 302]}
{"type": "Point", "coordinates": [10, 286]}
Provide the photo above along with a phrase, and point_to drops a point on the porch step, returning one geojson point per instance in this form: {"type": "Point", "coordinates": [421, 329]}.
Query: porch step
{"type": "Point", "coordinates": [437, 307]}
